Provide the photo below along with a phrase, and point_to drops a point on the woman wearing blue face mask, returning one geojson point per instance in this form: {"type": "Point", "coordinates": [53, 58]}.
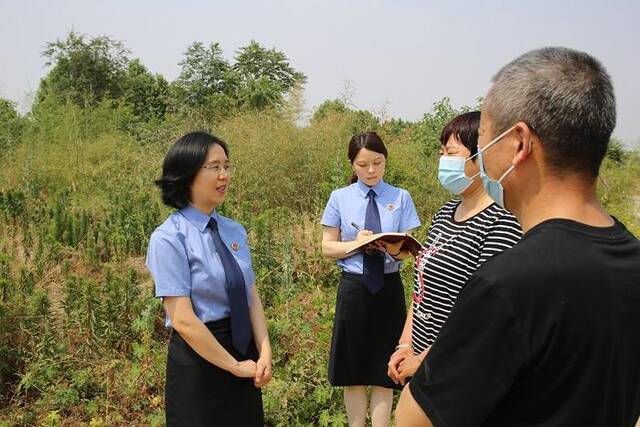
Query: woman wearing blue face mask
{"type": "Point", "coordinates": [464, 233]}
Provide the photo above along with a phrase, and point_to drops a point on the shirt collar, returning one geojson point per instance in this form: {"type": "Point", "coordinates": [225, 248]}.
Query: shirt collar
{"type": "Point", "coordinates": [197, 217]}
{"type": "Point", "coordinates": [364, 188]}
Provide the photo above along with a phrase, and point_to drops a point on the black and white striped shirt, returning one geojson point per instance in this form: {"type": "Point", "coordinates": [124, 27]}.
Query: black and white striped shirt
{"type": "Point", "coordinates": [452, 253]}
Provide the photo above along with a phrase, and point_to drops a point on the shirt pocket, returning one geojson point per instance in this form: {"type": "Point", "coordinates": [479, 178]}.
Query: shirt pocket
{"type": "Point", "coordinates": [391, 216]}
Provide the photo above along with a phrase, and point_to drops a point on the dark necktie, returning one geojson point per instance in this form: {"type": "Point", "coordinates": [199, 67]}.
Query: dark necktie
{"type": "Point", "coordinates": [236, 291]}
{"type": "Point", "coordinates": [373, 262]}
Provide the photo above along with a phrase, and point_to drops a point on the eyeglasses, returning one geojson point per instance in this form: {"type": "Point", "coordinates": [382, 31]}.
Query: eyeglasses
{"type": "Point", "coordinates": [217, 168]}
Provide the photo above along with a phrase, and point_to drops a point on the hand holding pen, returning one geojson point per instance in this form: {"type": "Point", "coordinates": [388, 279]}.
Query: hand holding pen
{"type": "Point", "coordinates": [379, 245]}
{"type": "Point", "coordinates": [364, 235]}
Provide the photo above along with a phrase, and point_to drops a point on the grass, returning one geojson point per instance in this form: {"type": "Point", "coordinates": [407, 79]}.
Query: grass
{"type": "Point", "coordinates": [81, 335]}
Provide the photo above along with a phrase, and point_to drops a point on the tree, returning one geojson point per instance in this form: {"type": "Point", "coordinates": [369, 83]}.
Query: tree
{"type": "Point", "coordinates": [616, 151]}
{"type": "Point", "coordinates": [147, 94]}
{"type": "Point", "coordinates": [427, 132]}
{"type": "Point", "coordinates": [85, 70]}
{"type": "Point", "coordinates": [364, 121]}
{"type": "Point", "coordinates": [206, 78]}
{"type": "Point", "coordinates": [357, 120]}
{"type": "Point", "coordinates": [328, 107]}
{"type": "Point", "coordinates": [258, 79]}
{"type": "Point", "coordinates": [396, 127]}
{"type": "Point", "coordinates": [11, 124]}
{"type": "Point", "coordinates": [264, 76]}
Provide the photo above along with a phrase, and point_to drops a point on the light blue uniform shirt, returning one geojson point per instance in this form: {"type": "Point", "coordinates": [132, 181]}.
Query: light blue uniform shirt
{"type": "Point", "coordinates": [183, 261]}
{"type": "Point", "coordinates": [349, 204]}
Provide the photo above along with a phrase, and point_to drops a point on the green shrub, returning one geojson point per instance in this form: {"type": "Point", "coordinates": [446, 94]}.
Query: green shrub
{"type": "Point", "coordinates": [82, 339]}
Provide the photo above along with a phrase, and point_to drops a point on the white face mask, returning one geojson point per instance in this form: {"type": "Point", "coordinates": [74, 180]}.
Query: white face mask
{"type": "Point", "coordinates": [494, 189]}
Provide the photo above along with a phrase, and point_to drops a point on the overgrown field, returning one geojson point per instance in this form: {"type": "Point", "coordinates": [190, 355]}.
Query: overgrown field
{"type": "Point", "coordinates": [81, 335]}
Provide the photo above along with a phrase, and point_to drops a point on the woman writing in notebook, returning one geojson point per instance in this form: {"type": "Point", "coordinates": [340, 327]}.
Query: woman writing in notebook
{"type": "Point", "coordinates": [370, 307]}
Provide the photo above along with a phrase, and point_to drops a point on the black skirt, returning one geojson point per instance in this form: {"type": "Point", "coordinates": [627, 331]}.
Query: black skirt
{"type": "Point", "coordinates": [366, 331]}
{"type": "Point", "coordinates": [199, 393]}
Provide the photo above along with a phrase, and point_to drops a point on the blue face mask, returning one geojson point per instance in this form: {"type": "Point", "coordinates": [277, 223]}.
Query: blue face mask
{"type": "Point", "coordinates": [494, 189]}
{"type": "Point", "coordinates": [451, 173]}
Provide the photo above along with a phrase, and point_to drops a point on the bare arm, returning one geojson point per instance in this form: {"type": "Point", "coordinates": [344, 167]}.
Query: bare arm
{"type": "Point", "coordinates": [259, 324]}
{"type": "Point", "coordinates": [332, 247]}
{"type": "Point", "coordinates": [409, 413]}
{"type": "Point", "coordinates": [406, 338]}
{"type": "Point", "coordinates": [201, 340]}
{"type": "Point", "coordinates": [261, 337]}
{"type": "Point", "coordinates": [404, 351]}
{"type": "Point", "coordinates": [395, 249]}
{"type": "Point", "coordinates": [402, 254]}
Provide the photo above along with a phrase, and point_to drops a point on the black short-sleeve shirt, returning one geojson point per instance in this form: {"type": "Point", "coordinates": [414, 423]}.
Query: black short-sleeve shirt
{"type": "Point", "coordinates": [545, 334]}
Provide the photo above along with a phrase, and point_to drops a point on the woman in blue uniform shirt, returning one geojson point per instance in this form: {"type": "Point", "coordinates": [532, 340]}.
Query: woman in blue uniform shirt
{"type": "Point", "coordinates": [370, 307]}
{"type": "Point", "coordinates": [219, 352]}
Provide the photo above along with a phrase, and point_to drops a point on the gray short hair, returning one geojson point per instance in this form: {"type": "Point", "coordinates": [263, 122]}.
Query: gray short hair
{"type": "Point", "coordinates": [566, 97]}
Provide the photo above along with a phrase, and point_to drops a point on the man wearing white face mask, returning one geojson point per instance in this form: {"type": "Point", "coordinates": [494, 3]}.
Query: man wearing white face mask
{"type": "Point", "coordinates": [546, 333]}
{"type": "Point", "coordinates": [464, 233]}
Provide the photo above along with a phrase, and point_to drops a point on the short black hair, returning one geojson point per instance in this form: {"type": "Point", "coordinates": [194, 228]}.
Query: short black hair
{"type": "Point", "coordinates": [181, 165]}
{"type": "Point", "coordinates": [465, 128]}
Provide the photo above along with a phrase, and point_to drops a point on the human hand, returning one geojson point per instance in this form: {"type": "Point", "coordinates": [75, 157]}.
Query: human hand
{"type": "Point", "coordinates": [364, 234]}
{"type": "Point", "coordinates": [245, 369]}
{"type": "Point", "coordinates": [377, 246]}
{"type": "Point", "coordinates": [263, 371]}
{"type": "Point", "coordinates": [408, 367]}
{"type": "Point", "coordinates": [394, 361]}
{"type": "Point", "coordinates": [394, 249]}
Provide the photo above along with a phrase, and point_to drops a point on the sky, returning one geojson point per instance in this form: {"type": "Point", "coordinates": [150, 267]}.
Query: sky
{"type": "Point", "coordinates": [397, 57]}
